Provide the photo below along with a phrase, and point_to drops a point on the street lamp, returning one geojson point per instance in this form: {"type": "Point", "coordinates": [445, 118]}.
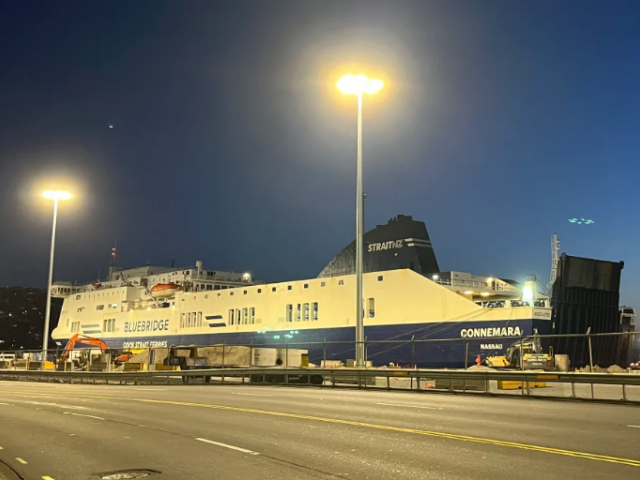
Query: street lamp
{"type": "Point", "coordinates": [359, 85]}
{"type": "Point", "coordinates": [56, 196]}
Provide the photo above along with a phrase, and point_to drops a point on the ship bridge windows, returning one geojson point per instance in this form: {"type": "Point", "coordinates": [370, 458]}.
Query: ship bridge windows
{"type": "Point", "coordinates": [75, 327]}
{"type": "Point", "coordinates": [371, 304]}
{"type": "Point", "coordinates": [109, 325]}
{"type": "Point", "coordinates": [78, 297]}
{"type": "Point", "coordinates": [298, 312]}
{"type": "Point", "coordinates": [306, 312]}
{"type": "Point", "coordinates": [314, 310]}
{"type": "Point", "coordinates": [289, 315]}
{"type": "Point", "coordinates": [99, 307]}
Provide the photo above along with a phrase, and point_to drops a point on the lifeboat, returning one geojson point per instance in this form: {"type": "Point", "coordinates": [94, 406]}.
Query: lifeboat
{"type": "Point", "coordinates": [163, 290]}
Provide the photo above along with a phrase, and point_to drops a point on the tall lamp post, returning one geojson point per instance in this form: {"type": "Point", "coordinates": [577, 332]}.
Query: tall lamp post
{"type": "Point", "coordinates": [359, 85]}
{"type": "Point", "coordinates": [56, 196]}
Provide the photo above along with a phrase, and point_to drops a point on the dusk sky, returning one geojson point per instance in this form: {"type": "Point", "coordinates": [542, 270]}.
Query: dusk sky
{"type": "Point", "coordinates": [499, 121]}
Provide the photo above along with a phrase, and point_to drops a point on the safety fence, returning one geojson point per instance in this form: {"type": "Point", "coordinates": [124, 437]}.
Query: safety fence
{"type": "Point", "coordinates": [600, 353]}
{"type": "Point", "coordinates": [622, 388]}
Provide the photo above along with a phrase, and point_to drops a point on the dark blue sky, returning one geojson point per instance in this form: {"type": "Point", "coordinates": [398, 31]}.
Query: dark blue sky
{"type": "Point", "coordinates": [499, 121]}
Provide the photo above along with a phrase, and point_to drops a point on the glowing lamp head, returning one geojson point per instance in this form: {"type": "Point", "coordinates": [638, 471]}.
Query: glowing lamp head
{"type": "Point", "coordinates": [359, 84]}
{"type": "Point", "coordinates": [56, 195]}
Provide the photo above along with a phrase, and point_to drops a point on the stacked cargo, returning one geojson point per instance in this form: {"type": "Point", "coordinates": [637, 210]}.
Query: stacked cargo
{"type": "Point", "coordinates": [585, 296]}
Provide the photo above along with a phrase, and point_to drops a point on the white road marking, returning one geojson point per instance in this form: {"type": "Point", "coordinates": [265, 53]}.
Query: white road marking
{"type": "Point", "coordinates": [408, 406]}
{"type": "Point", "coordinates": [232, 447]}
{"type": "Point", "coordinates": [70, 407]}
{"type": "Point", "coordinates": [251, 394]}
{"type": "Point", "coordinates": [633, 426]}
{"type": "Point", "coordinates": [152, 389]}
{"type": "Point", "coordinates": [22, 460]}
{"type": "Point", "coordinates": [83, 415]}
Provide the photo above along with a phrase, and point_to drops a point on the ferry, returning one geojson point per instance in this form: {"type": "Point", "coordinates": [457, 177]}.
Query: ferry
{"type": "Point", "coordinates": [415, 314]}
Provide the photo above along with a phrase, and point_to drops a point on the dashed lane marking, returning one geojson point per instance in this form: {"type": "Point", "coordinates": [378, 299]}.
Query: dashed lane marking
{"type": "Point", "coordinates": [83, 415]}
{"type": "Point", "coordinates": [232, 447]}
{"type": "Point", "coordinates": [407, 406]}
{"type": "Point", "coordinates": [633, 426]}
{"type": "Point", "coordinates": [21, 460]}
{"type": "Point", "coordinates": [250, 394]}
{"type": "Point", "coordinates": [389, 428]}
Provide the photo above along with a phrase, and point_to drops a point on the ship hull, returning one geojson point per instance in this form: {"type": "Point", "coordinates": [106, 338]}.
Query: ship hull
{"type": "Point", "coordinates": [426, 345]}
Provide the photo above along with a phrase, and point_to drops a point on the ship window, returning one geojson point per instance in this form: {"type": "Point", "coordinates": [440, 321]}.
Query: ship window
{"type": "Point", "coordinates": [216, 287]}
{"type": "Point", "coordinates": [306, 312]}
{"type": "Point", "coordinates": [188, 320]}
{"type": "Point", "coordinates": [306, 285]}
{"type": "Point", "coordinates": [289, 313]}
{"type": "Point", "coordinates": [259, 290]}
{"type": "Point", "coordinates": [245, 315]}
{"type": "Point", "coordinates": [231, 316]}
{"type": "Point", "coordinates": [209, 287]}
{"type": "Point", "coordinates": [273, 289]}
{"type": "Point", "coordinates": [224, 287]}
{"type": "Point", "coordinates": [253, 315]}
{"type": "Point", "coordinates": [372, 307]}
{"type": "Point", "coordinates": [380, 278]}
{"type": "Point", "coordinates": [182, 315]}
{"type": "Point", "coordinates": [231, 294]}
{"type": "Point", "coordinates": [298, 308]}
{"type": "Point", "coordinates": [199, 319]}
{"type": "Point", "coordinates": [99, 307]}
{"type": "Point", "coordinates": [80, 309]}
{"type": "Point", "coordinates": [315, 312]}
{"type": "Point", "coordinates": [289, 287]}
{"type": "Point", "coordinates": [244, 293]}
{"type": "Point", "coordinates": [239, 316]}
{"type": "Point", "coordinates": [67, 323]}
{"type": "Point", "coordinates": [340, 282]}
{"type": "Point", "coordinates": [322, 284]}
{"type": "Point", "coordinates": [78, 297]}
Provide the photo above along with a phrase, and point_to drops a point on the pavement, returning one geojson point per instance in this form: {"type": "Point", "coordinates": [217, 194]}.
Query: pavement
{"type": "Point", "coordinates": [62, 431]}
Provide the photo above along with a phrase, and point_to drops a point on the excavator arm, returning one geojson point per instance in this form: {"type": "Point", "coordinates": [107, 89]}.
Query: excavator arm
{"type": "Point", "coordinates": [85, 340]}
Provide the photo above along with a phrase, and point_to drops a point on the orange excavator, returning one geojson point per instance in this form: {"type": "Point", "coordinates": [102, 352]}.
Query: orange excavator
{"type": "Point", "coordinates": [85, 340]}
{"type": "Point", "coordinates": [96, 342]}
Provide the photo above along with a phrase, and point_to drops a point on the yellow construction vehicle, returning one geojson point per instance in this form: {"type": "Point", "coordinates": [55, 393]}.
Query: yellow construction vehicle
{"type": "Point", "coordinates": [527, 354]}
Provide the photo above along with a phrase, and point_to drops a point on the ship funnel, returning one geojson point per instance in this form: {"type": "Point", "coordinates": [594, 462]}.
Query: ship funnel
{"type": "Point", "coordinates": [199, 266]}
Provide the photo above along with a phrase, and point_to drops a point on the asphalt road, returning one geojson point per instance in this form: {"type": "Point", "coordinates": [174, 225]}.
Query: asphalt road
{"type": "Point", "coordinates": [60, 431]}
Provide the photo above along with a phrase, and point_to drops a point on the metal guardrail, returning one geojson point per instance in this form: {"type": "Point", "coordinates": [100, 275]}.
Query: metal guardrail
{"type": "Point", "coordinates": [624, 388]}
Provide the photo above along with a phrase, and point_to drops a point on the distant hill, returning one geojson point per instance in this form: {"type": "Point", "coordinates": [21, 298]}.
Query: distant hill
{"type": "Point", "coordinates": [22, 317]}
